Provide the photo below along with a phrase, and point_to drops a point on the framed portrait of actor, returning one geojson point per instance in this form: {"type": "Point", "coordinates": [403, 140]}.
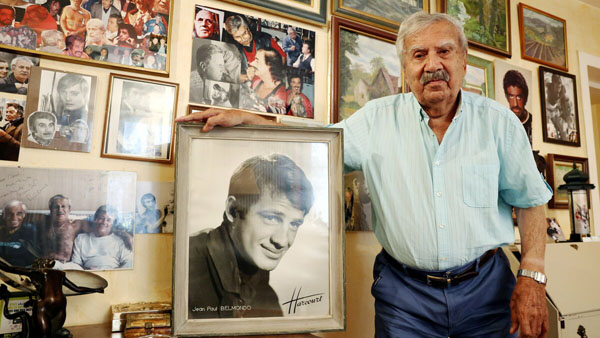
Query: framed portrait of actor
{"type": "Point", "coordinates": [60, 113]}
{"type": "Point", "coordinates": [310, 11]}
{"type": "Point", "coordinates": [486, 23]}
{"type": "Point", "coordinates": [543, 37]}
{"type": "Point", "coordinates": [133, 35]}
{"type": "Point", "coordinates": [386, 14]}
{"type": "Point", "coordinates": [558, 166]}
{"type": "Point", "coordinates": [259, 231]}
{"type": "Point", "coordinates": [139, 121]}
{"type": "Point", "coordinates": [560, 116]}
{"type": "Point", "coordinates": [365, 66]}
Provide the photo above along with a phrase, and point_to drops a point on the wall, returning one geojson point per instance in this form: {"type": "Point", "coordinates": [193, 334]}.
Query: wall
{"type": "Point", "coordinates": [151, 278]}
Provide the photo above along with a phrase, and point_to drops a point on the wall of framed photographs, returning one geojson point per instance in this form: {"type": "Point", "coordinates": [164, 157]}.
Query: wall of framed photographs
{"type": "Point", "coordinates": [150, 279]}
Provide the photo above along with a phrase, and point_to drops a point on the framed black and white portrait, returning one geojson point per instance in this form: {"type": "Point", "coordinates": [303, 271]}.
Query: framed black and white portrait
{"type": "Point", "coordinates": [560, 118]}
{"type": "Point", "coordinates": [139, 121]}
{"type": "Point", "coordinates": [258, 234]}
{"type": "Point", "coordinates": [60, 110]}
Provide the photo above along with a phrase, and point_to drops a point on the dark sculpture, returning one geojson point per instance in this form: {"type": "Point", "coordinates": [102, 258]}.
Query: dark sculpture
{"type": "Point", "coordinates": [48, 289]}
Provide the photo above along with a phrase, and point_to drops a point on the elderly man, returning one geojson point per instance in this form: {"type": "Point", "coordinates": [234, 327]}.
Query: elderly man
{"type": "Point", "coordinates": [267, 201]}
{"type": "Point", "coordinates": [18, 81]}
{"type": "Point", "coordinates": [103, 11]}
{"type": "Point", "coordinates": [206, 24]}
{"type": "Point", "coordinates": [95, 33]}
{"type": "Point", "coordinates": [10, 134]}
{"type": "Point", "coordinates": [16, 238]}
{"type": "Point", "coordinates": [292, 45]}
{"type": "Point", "coordinates": [7, 15]}
{"type": "Point", "coordinates": [445, 167]}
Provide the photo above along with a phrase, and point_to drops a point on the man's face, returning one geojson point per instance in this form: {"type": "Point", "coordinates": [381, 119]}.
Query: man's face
{"type": "Point", "coordinates": [106, 4]}
{"type": "Point", "coordinates": [292, 34]}
{"type": "Point", "coordinates": [60, 210]}
{"type": "Point", "coordinates": [103, 224]}
{"type": "Point", "coordinates": [123, 34]}
{"type": "Point", "coordinates": [514, 96]}
{"type": "Point", "coordinates": [262, 69]}
{"type": "Point", "coordinates": [215, 67]}
{"type": "Point", "coordinates": [3, 69]}
{"type": "Point", "coordinates": [305, 49]}
{"type": "Point", "coordinates": [268, 230]}
{"type": "Point", "coordinates": [54, 8]}
{"type": "Point", "coordinates": [112, 25]}
{"type": "Point", "coordinates": [94, 32]}
{"type": "Point", "coordinates": [148, 203]}
{"type": "Point", "coordinates": [76, 3]}
{"type": "Point", "coordinates": [72, 97]}
{"type": "Point", "coordinates": [44, 129]}
{"type": "Point", "coordinates": [435, 48]}
{"type": "Point", "coordinates": [77, 48]}
{"type": "Point", "coordinates": [296, 85]}
{"type": "Point", "coordinates": [12, 113]}
{"type": "Point", "coordinates": [243, 36]}
{"type": "Point", "coordinates": [13, 217]}
{"type": "Point", "coordinates": [22, 70]}
{"type": "Point", "coordinates": [204, 24]}
{"type": "Point", "coordinates": [6, 17]}
{"type": "Point", "coordinates": [137, 58]}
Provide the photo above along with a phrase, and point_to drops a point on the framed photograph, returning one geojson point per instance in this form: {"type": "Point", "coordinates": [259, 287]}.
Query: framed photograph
{"type": "Point", "coordinates": [154, 208]}
{"type": "Point", "coordinates": [60, 113]}
{"type": "Point", "coordinates": [139, 121]}
{"type": "Point", "coordinates": [133, 35]}
{"type": "Point", "coordinates": [486, 23]}
{"type": "Point", "coordinates": [543, 37]}
{"type": "Point", "coordinates": [272, 197]}
{"type": "Point", "coordinates": [554, 230]}
{"type": "Point", "coordinates": [12, 111]}
{"type": "Point", "coordinates": [558, 166]}
{"type": "Point", "coordinates": [83, 219]}
{"type": "Point", "coordinates": [278, 77]}
{"type": "Point", "coordinates": [365, 66]}
{"type": "Point", "coordinates": [560, 116]}
{"type": "Point", "coordinates": [512, 86]}
{"type": "Point", "coordinates": [479, 77]}
{"type": "Point", "coordinates": [386, 14]}
{"type": "Point", "coordinates": [358, 213]}
{"type": "Point", "coordinates": [310, 11]}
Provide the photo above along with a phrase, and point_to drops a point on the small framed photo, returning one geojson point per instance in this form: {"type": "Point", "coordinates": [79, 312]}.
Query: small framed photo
{"type": "Point", "coordinates": [310, 11]}
{"type": "Point", "coordinates": [383, 14]}
{"type": "Point", "coordinates": [139, 121]}
{"type": "Point", "coordinates": [60, 110]}
{"type": "Point", "coordinates": [259, 233]}
{"type": "Point", "coordinates": [558, 166]}
{"type": "Point", "coordinates": [560, 117]}
{"type": "Point", "coordinates": [554, 230]}
{"type": "Point", "coordinates": [543, 37]}
{"type": "Point", "coordinates": [480, 77]}
{"type": "Point", "coordinates": [486, 24]}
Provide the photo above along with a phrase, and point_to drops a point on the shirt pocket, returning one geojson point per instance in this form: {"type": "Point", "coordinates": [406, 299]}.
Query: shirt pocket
{"type": "Point", "coordinates": [480, 185]}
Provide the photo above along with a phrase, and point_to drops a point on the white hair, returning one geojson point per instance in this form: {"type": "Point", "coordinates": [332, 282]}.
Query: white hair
{"type": "Point", "coordinates": [422, 20]}
{"type": "Point", "coordinates": [13, 203]}
{"type": "Point", "coordinates": [14, 61]}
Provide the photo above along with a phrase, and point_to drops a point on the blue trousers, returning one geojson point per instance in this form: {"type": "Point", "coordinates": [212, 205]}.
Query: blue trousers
{"type": "Point", "coordinates": [478, 307]}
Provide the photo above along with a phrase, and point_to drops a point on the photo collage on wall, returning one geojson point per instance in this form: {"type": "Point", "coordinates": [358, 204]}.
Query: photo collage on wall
{"type": "Point", "coordinates": [130, 33]}
{"type": "Point", "coordinates": [246, 62]}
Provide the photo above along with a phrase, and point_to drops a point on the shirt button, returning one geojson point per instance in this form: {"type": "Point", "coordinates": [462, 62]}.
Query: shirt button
{"type": "Point", "coordinates": [442, 226]}
{"type": "Point", "coordinates": [437, 163]}
{"type": "Point", "coordinates": [438, 194]}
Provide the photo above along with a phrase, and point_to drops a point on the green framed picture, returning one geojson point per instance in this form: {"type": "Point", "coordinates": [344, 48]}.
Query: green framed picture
{"type": "Point", "coordinates": [386, 14]}
{"type": "Point", "coordinates": [480, 76]}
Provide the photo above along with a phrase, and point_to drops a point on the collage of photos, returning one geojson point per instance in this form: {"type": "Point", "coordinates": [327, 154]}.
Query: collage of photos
{"type": "Point", "coordinates": [125, 32]}
{"type": "Point", "coordinates": [240, 61]}
{"type": "Point", "coordinates": [80, 218]}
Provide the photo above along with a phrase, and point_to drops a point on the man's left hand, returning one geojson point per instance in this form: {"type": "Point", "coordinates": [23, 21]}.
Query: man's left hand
{"type": "Point", "coordinates": [529, 313]}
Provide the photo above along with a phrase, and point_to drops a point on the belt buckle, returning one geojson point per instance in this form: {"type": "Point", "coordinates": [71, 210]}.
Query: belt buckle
{"type": "Point", "coordinates": [439, 281]}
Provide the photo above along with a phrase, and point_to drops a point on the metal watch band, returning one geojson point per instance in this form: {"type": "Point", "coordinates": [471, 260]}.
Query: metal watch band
{"type": "Point", "coordinates": [535, 275]}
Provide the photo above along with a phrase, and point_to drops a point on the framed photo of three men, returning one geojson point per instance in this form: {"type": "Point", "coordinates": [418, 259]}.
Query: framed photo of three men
{"type": "Point", "coordinates": [259, 236]}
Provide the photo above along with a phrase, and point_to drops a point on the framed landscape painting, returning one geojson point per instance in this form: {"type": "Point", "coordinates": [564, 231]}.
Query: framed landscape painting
{"type": "Point", "coordinates": [386, 14]}
{"type": "Point", "coordinates": [309, 11]}
{"type": "Point", "coordinates": [365, 66]}
{"type": "Point", "coordinates": [486, 23]}
{"type": "Point", "coordinates": [543, 37]}
{"type": "Point", "coordinates": [272, 197]}
{"type": "Point", "coordinates": [479, 77]}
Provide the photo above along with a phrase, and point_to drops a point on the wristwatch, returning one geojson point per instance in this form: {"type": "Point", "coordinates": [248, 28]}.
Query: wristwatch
{"type": "Point", "coordinates": [535, 275]}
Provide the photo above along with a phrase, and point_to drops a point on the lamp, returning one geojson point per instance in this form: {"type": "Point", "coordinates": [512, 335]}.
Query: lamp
{"type": "Point", "coordinates": [577, 187]}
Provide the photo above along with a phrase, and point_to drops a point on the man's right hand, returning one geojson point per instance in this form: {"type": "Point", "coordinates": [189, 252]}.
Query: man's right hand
{"type": "Point", "coordinates": [224, 118]}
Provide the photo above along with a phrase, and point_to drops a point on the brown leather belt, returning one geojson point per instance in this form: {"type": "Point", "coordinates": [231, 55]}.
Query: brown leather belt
{"type": "Point", "coordinates": [444, 279]}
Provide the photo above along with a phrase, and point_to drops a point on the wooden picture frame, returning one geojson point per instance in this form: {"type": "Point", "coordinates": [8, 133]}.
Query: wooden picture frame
{"type": "Point", "coordinates": [479, 77]}
{"type": "Point", "coordinates": [375, 14]}
{"type": "Point", "coordinates": [31, 35]}
{"type": "Point", "coordinates": [560, 114]}
{"type": "Point", "coordinates": [313, 12]}
{"type": "Point", "coordinates": [558, 166]}
{"type": "Point", "coordinates": [342, 65]}
{"type": "Point", "coordinates": [140, 115]}
{"type": "Point", "coordinates": [297, 288]}
{"type": "Point", "coordinates": [482, 33]}
{"type": "Point", "coordinates": [548, 48]}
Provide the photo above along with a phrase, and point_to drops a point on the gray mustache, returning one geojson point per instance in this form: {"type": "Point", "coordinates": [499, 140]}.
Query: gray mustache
{"type": "Point", "coordinates": [441, 74]}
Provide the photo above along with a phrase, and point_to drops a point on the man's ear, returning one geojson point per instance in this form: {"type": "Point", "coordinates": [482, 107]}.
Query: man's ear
{"type": "Point", "coordinates": [230, 211]}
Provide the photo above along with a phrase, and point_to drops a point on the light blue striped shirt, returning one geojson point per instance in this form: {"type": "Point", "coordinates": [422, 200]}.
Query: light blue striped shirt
{"type": "Point", "coordinates": [438, 206]}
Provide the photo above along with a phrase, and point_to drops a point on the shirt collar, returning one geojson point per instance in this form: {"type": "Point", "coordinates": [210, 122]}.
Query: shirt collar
{"type": "Point", "coordinates": [425, 117]}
